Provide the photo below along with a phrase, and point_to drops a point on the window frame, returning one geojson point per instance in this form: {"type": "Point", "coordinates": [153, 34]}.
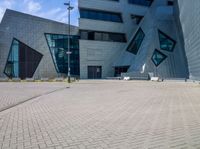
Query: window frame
{"type": "Point", "coordinates": [9, 53]}
{"type": "Point", "coordinates": [167, 38]}
{"type": "Point", "coordinates": [109, 15]}
{"type": "Point", "coordinates": [74, 49]}
{"type": "Point", "coordinates": [134, 41]}
{"type": "Point", "coordinates": [165, 57]}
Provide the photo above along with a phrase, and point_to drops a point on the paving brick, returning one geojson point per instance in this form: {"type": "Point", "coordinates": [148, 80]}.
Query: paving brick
{"type": "Point", "coordinates": [13, 93]}
{"type": "Point", "coordinates": [104, 115]}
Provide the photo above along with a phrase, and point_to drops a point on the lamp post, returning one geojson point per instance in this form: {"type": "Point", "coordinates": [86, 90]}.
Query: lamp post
{"type": "Point", "coordinates": [69, 8]}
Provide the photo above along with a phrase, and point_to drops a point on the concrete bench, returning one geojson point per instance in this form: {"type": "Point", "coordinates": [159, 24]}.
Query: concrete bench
{"type": "Point", "coordinates": [30, 79]}
{"type": "Point", "coordinates": [154, 78]}
{"type": "Point", "coordinates": [59, 79]}
{"type": "Point", "coordinates": [113, 78]}
{"type": "Point", "coordinates": [16, 79]}
{"type": "Point", "coordinates": [44, 79]}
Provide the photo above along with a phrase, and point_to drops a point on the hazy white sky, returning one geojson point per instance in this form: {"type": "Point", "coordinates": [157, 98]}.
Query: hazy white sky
{"type": "Point", "coordinates": [50, 9]}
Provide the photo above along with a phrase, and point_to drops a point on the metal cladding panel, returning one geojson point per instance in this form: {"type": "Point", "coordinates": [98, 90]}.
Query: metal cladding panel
{"type": "Point", "coordinates": [100, 53]}
{"type": "Point", "coordinates": [159, 17]}
{"type": "Point", "coordinates": [190, 21]}
{"type": "Point", "coordinates": [31, 31]}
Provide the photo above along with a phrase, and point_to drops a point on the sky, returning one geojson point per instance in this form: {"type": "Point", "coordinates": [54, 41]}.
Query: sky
{"type": "Point", "coordinates": [50, 9]}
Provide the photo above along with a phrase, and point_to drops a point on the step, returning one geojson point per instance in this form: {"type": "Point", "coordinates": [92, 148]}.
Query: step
{"type": "Point", "coordinates": [4, 79]}
{"type": "Point", "coordinates": [175, 80]}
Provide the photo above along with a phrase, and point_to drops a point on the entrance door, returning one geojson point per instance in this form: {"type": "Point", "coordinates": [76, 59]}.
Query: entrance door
{"type": "Point", "coordinates": [94, 72]}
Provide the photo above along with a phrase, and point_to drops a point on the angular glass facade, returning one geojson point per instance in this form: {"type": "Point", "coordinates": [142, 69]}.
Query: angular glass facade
{"type": "Point", "coordinates": [22, 61]}
{"type": "Point", "coordinates": [136, 42]}
{"type": "Point", "coordinates": [58, 45]}
{"type": "Point", "coordinates": [158, 57]}
{"type": "Point", "coordinates": [166, 42]}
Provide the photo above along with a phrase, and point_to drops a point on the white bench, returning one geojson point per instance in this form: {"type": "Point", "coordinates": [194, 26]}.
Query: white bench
{"type": "Point", "coordinates": [30, 79]}
{"type": "Point", "coordinates": [127, 78]}
{"type": "Point", "coordinates": [44, 79]}
{"type": "Point", "coordinates": [154, 78]}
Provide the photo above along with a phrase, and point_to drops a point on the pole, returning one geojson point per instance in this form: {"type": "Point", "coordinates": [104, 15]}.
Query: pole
{"type": "Point", "coordinates": [69, 7]}
{"type": "Point", "coordinates": [69, 80]}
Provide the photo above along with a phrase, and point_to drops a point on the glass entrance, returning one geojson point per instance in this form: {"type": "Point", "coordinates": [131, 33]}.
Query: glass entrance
{"type": "Point", "coordinates": [94, 72]}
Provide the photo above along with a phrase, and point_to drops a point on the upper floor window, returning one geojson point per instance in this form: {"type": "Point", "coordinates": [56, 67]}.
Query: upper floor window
{"type": "Point", "coordinates": [170, 3]}
{"type": "Point", "coordinates": [102, 36]}
{"type": "Point", "coordinates": [136, 42]}
{"type": "Point", "coordinates": [100, 15]}
{"type": "Point", "coordinates": [141, 2]}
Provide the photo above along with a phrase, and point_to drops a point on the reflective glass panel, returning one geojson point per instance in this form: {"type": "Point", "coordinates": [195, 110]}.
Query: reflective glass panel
{"type": "Point", "coordinates": [100, 15]}
{"type": "Point", "coordinates": [158, 57]}
{"type": "Point", "coordinates": [166, 42]}
{"type": "Point", "coordinates": [22, 61]}
{"type": "Point", "coordinates": [136, 42]}
{"type": "Point", "coordinates": [58, 45]}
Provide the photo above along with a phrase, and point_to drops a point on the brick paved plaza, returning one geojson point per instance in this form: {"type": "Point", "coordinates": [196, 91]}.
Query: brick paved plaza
{"type": "Point", "coordinates": [15, 93]}
{"type": "Point", "coordinates": [100, 115]}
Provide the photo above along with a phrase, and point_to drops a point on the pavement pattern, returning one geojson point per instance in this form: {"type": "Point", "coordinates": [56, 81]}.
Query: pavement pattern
{"type": "Point", "coordinates": [106, 115]}
{"type": "Point", "coordinates": [13, 93]}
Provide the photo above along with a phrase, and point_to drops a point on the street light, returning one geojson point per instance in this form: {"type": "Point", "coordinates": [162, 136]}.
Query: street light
{"type": "Point", "coordinates": [69, 8]}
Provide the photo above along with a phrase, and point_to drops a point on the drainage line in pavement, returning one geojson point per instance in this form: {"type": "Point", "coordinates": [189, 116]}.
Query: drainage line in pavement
{"type": "Point", "coordinates": [47, 93]}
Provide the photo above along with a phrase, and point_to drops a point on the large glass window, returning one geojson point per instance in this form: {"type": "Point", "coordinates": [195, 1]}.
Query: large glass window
{"type": "Point", "coordinates": [166, 42]}
{"type": "Point", "coordinates": [58, 45]}
{"type": "Point", "coordinates": [22, 61]}
{"type": "Point", "coordinates": [100, 15]}
{"type": "Point", "coordinates": [136, 42]}
{"type": "Point", "coordinates": [103, 36]}
{"type": "Point", "coordinates": [158, 57]}
{"type": "Point", "coordinates": [141, 2]}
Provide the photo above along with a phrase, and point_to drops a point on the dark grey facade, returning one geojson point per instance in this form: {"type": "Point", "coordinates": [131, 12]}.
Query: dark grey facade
{"type": "Point", "coordinates": [153, 40]}
{"type": "Point", "coordinates": [188, 14]}
{"type": "Point", "coordinates": [21, 34]}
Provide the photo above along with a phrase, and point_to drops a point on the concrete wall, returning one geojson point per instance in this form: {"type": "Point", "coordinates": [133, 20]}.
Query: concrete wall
{"type": "Point", "coordinates": [97, 53]}
{"type": "Point", "coordinates": [189, 11]}
{"type": "Point", "coordinates": [30, 30]}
